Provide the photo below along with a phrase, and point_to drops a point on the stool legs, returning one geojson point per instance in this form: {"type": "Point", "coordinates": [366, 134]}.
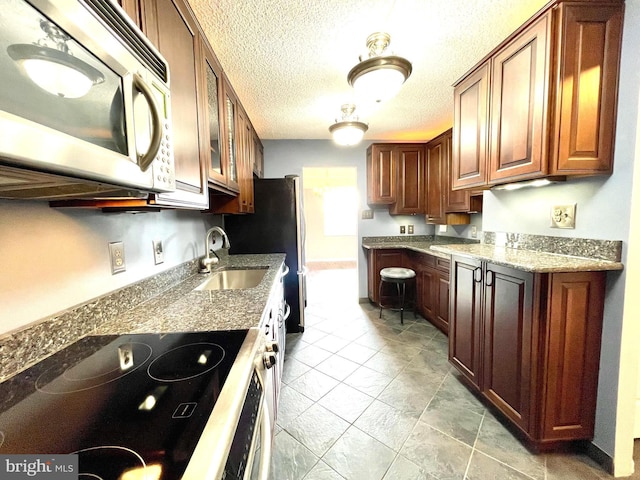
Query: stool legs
{"type": "Point", "coordinates": [404, 288]}
{"type": "Point", "coordinates": [401, 288]}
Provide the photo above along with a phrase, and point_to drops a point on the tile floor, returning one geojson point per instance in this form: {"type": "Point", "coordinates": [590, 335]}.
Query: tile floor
{"type": "Point", "coordinates": [370, 399]}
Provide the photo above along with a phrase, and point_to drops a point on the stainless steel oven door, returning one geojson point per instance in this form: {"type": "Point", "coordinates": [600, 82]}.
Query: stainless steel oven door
{"type": "Point", "coordinates": [261, 450]}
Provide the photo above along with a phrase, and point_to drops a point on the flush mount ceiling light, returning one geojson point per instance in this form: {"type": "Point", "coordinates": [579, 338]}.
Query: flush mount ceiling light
{"type": "Point", "coordinates": [380, 76]}
{"type": "Point", "coordinates": [55, 70]}
{"type": "Point", "coordinates": [348, 131]}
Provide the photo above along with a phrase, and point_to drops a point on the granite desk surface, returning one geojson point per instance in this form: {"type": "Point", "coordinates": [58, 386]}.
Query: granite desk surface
{"type": "Point", "coordinates": [417, 245]}
{"type": "Point", "coordinates": [181, 308]}
{"type": "Point", "coordinates": [527, 260]}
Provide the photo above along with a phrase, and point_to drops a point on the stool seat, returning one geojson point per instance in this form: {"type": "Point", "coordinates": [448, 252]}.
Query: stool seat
{"type": "Point", "coordinates": [398, 276]}
{"type": "Point", "coordinates": [391, 274]}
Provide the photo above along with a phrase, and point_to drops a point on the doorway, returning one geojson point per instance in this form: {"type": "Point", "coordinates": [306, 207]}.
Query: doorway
{"type": "Point", "coordinates": [330, 196]}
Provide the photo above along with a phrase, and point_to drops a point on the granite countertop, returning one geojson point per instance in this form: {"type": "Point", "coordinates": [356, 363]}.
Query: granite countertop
{"type": "Point", "coordinates": [420, 244]}
{"type": "Point", "coordinates": [528, 260]}
{"type": "Point", "coordinates": [181, 308]}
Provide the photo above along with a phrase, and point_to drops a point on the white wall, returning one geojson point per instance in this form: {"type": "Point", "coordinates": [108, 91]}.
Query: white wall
{"type": "Point", "coordinates": [54, 259]}
{"type": "Point", "coordinates": [284, 157]}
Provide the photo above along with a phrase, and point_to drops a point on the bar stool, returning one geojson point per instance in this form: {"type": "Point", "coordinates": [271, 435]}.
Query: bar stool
{"type": "Point", "coordinates": [399, 276]}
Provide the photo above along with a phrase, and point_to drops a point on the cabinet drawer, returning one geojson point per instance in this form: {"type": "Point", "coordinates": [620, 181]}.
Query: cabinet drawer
{"type": "Point", "coordinates": [442, 264]}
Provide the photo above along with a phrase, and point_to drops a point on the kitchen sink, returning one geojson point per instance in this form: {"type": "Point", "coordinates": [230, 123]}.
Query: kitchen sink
{"type": "Point", "coordinates": [233, 279]}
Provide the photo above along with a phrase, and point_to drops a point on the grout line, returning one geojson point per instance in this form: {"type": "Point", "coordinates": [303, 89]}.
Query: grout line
{"type": "Point", "coordinates": [473, 447]}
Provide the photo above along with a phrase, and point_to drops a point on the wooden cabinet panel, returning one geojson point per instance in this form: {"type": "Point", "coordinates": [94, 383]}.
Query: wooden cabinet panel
{"type": "Point", "coordinates": [438, 185]}
{"type": "Point", "coordinates": [552, 99]}
{"type": "Point", "coordinates": [540, 337]}
{"type": "Point", "coordinates": [379, 259]}
{"type": "Point", "coordinates": [171, 26]}
{"type": "Point", "coordinates": [470, 130]}
{"type": "Point", "coordinates": [573, 336]}
{"type": "Point", "coordinates": [437, 157]}
{"type": "Point", "coordinates": [258, 159]}
{"type": "Point", "coordinates": [381, 174]}
{"type": "Point", "coordinates": [519, 87]}
{"type": "Point", "coordinates": [410, 180]}
{"type": "Point", "coordinates": [441, 304]}
{"type": "Point", "coordinates": [466, 308]}
{"type": "Point", "coordinates": [508, 317]}
{"type": "Point", "coordinates": [426, 294]}
{"type": "Point", "coordinates": [591, 42]}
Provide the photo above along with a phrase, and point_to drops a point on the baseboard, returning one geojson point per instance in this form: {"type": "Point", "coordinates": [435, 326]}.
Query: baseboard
{"type": "Point", "coordinates": [599, 456]}
{"type": "Point", "coordinates": [363, 300]}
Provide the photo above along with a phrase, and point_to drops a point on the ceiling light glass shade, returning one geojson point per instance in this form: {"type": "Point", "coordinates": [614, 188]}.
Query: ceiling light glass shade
{"type": "Point", "coordinates": [379, 77]}
{"type": "Point", "coordinates": [349, 131]}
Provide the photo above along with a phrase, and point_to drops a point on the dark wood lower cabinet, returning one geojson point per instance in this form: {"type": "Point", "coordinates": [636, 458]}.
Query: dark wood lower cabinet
{"type": "Point", "coordinates": [431, 284]}
{"type": "Point", "coordinates": [379, 259]}
{"type": "Point", "coordinates": [530, 344]}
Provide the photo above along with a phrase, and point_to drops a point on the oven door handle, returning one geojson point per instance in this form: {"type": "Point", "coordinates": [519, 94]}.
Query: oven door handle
{"type": "Point", "coordinates": [265, 443]}
{"type": "Point", "coordinates": [146, 159]}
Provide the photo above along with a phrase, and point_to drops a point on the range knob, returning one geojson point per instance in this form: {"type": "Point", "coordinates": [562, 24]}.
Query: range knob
{"type": "Point", "coordinates": [272, 347]}
{"type": "Point", "coordinates": [269, 359]}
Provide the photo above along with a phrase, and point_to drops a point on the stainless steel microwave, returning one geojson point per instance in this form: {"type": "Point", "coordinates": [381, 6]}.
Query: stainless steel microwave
{"type": "Point", "coordinates": [83, 95]}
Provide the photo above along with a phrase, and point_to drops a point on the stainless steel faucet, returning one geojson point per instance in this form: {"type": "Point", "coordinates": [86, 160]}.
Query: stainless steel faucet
{"type": "Point", "coordinates": [208, 260]}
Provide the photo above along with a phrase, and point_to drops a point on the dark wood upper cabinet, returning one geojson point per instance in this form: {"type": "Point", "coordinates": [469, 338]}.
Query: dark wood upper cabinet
{"type": "Point", "coordinates": [550, 92]}
{"type": "Point", "coordinates": [212, 114]}
{"type": "Point", "coordinates": [171, 26]}
{"type": "Point", "coordinates": [410, 191]}
{"type": "Point", "coordinates": [530, 344]}
{"type": "Point", "coordinates": [588, 48]}
{"type": "Point", "coordinates": [239, 150]}
{"type": "Point", "coordinates": [395, 177]}
{"type": "Point", "coordinates": [520, 78]}
{"type": "Point", "coordinates": [443, 205]}
{"type": "Point", "coordinates": [381, 174]}
{"type": "Point", "coordinates": [470, 130]}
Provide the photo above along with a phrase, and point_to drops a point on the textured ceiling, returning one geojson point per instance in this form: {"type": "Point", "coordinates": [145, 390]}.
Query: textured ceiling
{"type": "Point", "coordinates": [288, 59]}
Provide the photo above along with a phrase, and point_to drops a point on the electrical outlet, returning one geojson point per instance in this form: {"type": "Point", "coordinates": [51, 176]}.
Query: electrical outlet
{"type": "Point", "coordinates": [116, 253]}
{"type": "Point", "coordinates": [563, 216]}
{"type": "Point", "coordinates": [442, 229]}
{"type": "Point", "coordinates": [367, 214]}
{"type": "Point", "coordinates": [474, 231]}
{"type": "Point", "coordinates": [402, 229]}
{"type": "Point", "coordinates": [158, 252]}
{"type": "Point", "coordinates": [410, 229]}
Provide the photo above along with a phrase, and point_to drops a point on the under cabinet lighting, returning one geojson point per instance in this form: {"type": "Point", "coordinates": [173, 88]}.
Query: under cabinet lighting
{"type": "Point", "coordinates": [540, 182]}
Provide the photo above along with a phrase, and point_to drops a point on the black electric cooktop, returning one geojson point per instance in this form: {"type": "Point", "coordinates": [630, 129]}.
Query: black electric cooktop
{"type": "Point", "coordinates": [120, 402]}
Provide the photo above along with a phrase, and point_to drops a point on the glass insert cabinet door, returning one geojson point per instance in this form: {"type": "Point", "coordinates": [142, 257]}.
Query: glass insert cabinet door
{"type": "Point", "coordinates": [231, 137]}
{"type": "Point", "coordinates": [216, 168]}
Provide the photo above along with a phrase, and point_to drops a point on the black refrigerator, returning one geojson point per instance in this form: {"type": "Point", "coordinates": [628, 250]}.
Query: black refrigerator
{"type": "Point", "coordinates": [277, 226]}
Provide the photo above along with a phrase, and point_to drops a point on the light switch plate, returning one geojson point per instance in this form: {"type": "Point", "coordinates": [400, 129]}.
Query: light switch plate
{"type": "Point", "coordinates": [563, 216]}
{"type": "Point", "coordinates": [367, 214]}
